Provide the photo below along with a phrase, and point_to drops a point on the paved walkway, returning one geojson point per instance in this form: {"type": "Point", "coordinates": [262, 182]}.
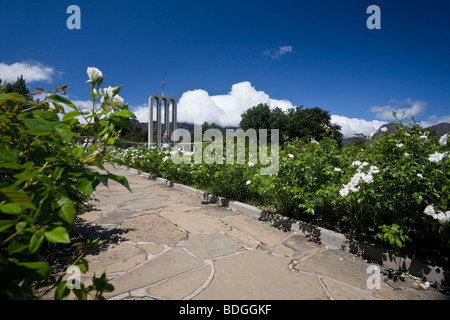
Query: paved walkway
{"type": "Point", "coordinates": [168, 244]}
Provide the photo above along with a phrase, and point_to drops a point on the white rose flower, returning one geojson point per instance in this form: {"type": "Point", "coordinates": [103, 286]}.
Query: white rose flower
{"type": "Point", "coordinates": [429, 210]}
{"type": "Point", "coordinates": [290, 155]}
{"type": "Point", "coordinates": [400, 145]}
{"type": "Point", "coordinates": [94, 74]}
{"type": "Point", "coordinates": [374, 169]}
{"type": "Point", "coordinates": [344, 192]}
{"type": "Point", "coordinates": [356, 163]}
{"type": "Point", "coordinates": [118, 100]}
{"type": "Point", "coordinates": [106, 94]}
{"type": "Point", "coordinates": [368, 178]}
{"type": "Point", "coordinates": [443, 140]}
{"type": "Point", "coordinates": [436, 157]}
{"type": "Point", "coordinates": [384, 129]}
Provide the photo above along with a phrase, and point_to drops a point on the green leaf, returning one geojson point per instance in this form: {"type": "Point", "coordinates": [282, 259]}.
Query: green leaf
{"type": "Point", "coordinates": [58, 173]}
{"type": "Point", "coordinates": [36, 270]}
{"type": "Point", "coordinates": [57, 235]}
{"type": "Point", "coordinates": [5, 224]}
{"type": "Point", "coordinates": [11, 165]}
{"type": "Point", "coordinates": [83, 265]}
{"type": "Point", "coordinates": [62, 292]}
{"type": "Point", "coordinates": [125, 114]}
{"type": "Point", "coordinates": [10, 208]}
{"type": "Point", "coordinates": [66, 210]}
{"type": "Point", "coordinates": [65, 134]}
{"type": "Point", "coordinates": [36, 241]}
{"type": "Point", "coordinates": [70, 115]}
{"type": "Point", "coordinates": [58, 99]}
{"type": "Point", "coordinates": [8, 155]}
{"type": "Point", "coordinates": [78, 152]}
{"type": "Point", "coordinates": [85, 186]}
{"type": "Point", "coordinates": [80, 293]}
{"type": "Point", "coordinates": [417, 197]}
{"type": "Point", "coordinates": [120, 179]}
{"type": "Point", "coordinates": [16, 247]}
{"type": "Point", "coordinates": [46, 114]}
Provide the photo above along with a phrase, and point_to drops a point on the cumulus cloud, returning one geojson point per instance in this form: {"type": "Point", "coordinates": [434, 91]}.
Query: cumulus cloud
{"type": "Point", "coordinates": [406, 108]}
{"type": "Point", "coordinates": [276, 54]}
{"type": "Point", "coordinates": [352, 126]}
{"type": "Point", "coordinates": [31, 72]}
{"type": "Point", "coordinates": [224, 110]}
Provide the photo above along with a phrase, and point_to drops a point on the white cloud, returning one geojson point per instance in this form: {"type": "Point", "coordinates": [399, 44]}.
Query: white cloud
{"type": "Point", "coordinates": [351, 126]}
{"type": "Point", "coordinates": [31, 72]}
{"type": "Point", "coordinates": [224, 110]}
{"type": "Point", "coordinates": [406, 108]}
{"type": "Point", "coordinates": [434, 120]}
{"type": "Point", "coordinates": [276, 54]}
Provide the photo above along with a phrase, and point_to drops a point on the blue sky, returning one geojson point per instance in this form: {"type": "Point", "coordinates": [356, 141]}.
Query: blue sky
{"type": "Point", "coordinates": [221, 57]}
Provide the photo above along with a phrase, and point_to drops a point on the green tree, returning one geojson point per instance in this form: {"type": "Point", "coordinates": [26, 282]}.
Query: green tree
{"type": "Point", "coordinates": [18, 87]}
{"type": "Point", "coordinates": [314, 123]}
{"type": "Point", "coordinates": [298, 123]}
{"type": "Point", "coordinates": [256, 118]}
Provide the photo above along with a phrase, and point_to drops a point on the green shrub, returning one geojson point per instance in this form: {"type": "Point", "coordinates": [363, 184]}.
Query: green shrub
{"type": "Point", "coordinates": [393, 191]}
{"type": "Point", "coordinates": [45, 182]}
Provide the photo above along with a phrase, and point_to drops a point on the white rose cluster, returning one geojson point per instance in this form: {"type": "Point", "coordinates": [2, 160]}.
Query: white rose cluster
{"type": "Point", "coordinates": [440, 216]}
{"type": "Point", "coordinates": [108, 96]}
{"type": "Point", "coordinates": [359, 177]}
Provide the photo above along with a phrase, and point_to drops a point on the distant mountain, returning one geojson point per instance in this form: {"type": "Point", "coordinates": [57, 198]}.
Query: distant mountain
{"type": "Point", "coordinates": [180, 125]}
{"type": "Point", "coordinates": [436, 130]}
{"type": "Point", "coordinates": [440, 129]}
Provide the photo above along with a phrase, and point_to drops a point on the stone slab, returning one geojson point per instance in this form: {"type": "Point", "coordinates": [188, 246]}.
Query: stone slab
{"type": "Point", "coordinates": [340, 291]}
{"type": "Point", "coordinates": [211, 245]}
{"type": "Point", "coordinates": [152, 228]}
{"type": "Point", "coordinates": [259, 230]}
{"type": "Point", "coordinates": [216, 211]}
{"type": "Point", "coordinates": [193, 222]}
{"type": "Point", "coordinates": [172, 263]}
{"type": "Point", "coordinates": [120, 257]}
{"type": "Point", "coordinates": [256, 275]}
{"type": "Point", "coordinates": [117, 216]}
{"type": "Point", "coordinates": [242, 238]}
{"type": "Point", "coordinates": [182, 286]}
{"type": "Point", "coordinates": [337, 265]}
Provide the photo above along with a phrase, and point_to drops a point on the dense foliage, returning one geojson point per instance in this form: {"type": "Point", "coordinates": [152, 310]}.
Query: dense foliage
{"type": "Point", "coordinates": [45, 182]}
{"type": "Point", "coordinates": [295, 123]}
{"type": "Point", "coordinates": [394, 191]}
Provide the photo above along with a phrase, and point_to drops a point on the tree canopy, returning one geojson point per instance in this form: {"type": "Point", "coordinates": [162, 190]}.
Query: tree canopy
{"type": "Point", "coordinates": [301, 123]}
{"type": "Point", "coordinates": [19, 87]}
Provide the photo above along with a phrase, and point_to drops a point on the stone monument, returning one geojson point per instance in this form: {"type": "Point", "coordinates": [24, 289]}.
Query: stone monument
{"type": "Point", "coordinates": [168, 103]}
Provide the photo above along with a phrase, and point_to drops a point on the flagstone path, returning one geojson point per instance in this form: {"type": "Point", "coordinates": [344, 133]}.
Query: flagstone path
{"type": "Point", "coordinates": [164, 243]}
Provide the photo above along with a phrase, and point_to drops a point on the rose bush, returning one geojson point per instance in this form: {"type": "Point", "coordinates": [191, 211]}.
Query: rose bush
{"type": "Point", "coordinates": [46, 181]}
{"type": "Point", "coordinates": [392, 191]}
